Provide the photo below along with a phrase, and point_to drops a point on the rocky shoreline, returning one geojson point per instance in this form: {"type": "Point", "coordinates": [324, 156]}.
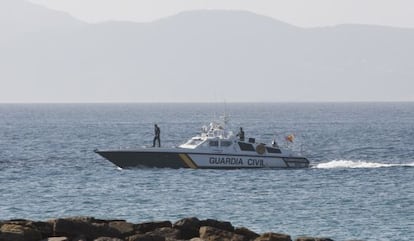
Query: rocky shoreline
{"type": "Point", "coordinates": [91, 229]}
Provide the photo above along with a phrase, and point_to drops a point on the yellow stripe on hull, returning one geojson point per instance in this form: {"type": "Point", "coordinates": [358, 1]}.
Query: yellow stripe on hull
{"type": "Point", "coordinates": [187, 160]}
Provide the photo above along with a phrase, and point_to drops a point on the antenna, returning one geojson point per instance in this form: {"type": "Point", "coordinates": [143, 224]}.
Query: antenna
{"type": "Point", "coordinates": [225, 118]}
{"type": "Point", "coordinates": [215, 106]}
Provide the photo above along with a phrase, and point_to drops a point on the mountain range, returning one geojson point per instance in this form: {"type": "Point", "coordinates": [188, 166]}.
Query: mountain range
{"type": "Point", "coordinates": [198, 56]}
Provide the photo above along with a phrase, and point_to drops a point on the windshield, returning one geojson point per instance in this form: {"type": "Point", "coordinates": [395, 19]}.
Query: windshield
{"type": "Point", "coordinates": [194, 142]}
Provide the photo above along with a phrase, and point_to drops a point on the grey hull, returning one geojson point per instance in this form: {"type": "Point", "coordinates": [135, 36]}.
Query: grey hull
{"type": "Point", "coordinates": [168, 159]}
{"type": "Point", "coordinates": [128, 159]}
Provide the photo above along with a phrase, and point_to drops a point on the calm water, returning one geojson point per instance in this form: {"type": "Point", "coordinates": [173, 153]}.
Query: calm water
{"type": "Point", "coordinates": [361, 185]}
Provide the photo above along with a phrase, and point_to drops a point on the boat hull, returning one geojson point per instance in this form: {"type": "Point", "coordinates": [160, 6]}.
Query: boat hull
{"type": "Point", "coordinates": [180, 159]}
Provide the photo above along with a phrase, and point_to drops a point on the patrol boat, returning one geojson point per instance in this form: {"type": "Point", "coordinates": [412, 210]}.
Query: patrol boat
{"type": "Point", "coordinates": [214, 148]}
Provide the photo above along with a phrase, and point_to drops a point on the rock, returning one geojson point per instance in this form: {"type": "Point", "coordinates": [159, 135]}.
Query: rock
{"type": "Point", "coordinates": [18, 221]}
{"type": "Point", "coordinates": [189, 227]}
{"type": "Point", "coordinates": [108, 239]}
{"type": "Point", "coordinates": [167, 233]}
{"type": "Point", "coordinates": [83, 226]}
{"type": "Point", "coordinates": [79, 238]}
{"type": "Point", "coordinates": [91, 229]}
{"type": "Point", "coordinates": [70, 227]}
{"type": "Point", "coordinates": [312, 239]}
{"type": "Point", "coordinates": [150, 226]}
{"type": "Point", "coordinates": [145, 237]}
{"type": "Point", "coordinates": [217, 224]}
{"type": "Point", "coordinates": [84, 219]}
{"type": "Point", "coordinates": [57, 239]}
{"type": "Point", "coordinates": [305, 239]}
{"type": "Point", "coordinates": [196, 239]}
{"type": "Point", "coordinates": [45, 228]}
{"type": "Point", "coordinates": [273, 237]}
{"type": "Point", "coordinates": [17, 232]}
{"type": "Point", "coordinates": [124, 228]}
{"type": "Point", "coordinates": [250, 235]}
{"type": "Point", "coordinates": [214, 234]}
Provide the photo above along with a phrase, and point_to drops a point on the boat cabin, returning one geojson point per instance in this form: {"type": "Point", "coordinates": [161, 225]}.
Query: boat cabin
{"type": "Point", "coordinates": [218, 140]}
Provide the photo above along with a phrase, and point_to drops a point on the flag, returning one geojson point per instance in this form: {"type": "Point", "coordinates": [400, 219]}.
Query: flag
{"type": "Point", "coordinates": [290, 138]}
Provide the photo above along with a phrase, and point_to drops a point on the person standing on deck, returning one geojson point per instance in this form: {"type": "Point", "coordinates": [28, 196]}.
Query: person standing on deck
{"type": "Point", "coordinates": [241, 134]}
{"type": "Point", "coordinates": [157, 133]}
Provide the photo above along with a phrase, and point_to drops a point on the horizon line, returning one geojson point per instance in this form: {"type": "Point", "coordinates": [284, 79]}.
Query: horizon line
{"type": "Point", "coordinates": [205, 102]}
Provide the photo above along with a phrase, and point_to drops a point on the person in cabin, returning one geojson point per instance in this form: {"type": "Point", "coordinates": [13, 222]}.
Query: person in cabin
{"type": "Point", "coordinates": [241, 134]}
{"type": "Point", "coordinates": [157, 133]}
{"type": "Point", "coordinates": [274, 144]}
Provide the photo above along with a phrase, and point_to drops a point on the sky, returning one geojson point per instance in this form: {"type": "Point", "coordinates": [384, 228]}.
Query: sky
{"type": "Point", "coordinates": [304, 13]}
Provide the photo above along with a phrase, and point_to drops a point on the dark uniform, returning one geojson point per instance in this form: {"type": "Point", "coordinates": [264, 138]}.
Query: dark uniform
{"type": "Point", "coordinates": [157, 133]}
{"type": "Point", "coordinates": [241, 134]}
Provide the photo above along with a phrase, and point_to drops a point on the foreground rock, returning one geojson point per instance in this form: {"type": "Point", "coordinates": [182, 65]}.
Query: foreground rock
{"type": "Point", "coordinates": [91, 229]}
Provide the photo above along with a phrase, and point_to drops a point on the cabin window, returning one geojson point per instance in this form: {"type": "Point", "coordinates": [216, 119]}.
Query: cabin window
{"type": "Point", "coordinates": [225, 143]}
{"type": "Point", "coordinates": [213, 143]}
{"type": "Point", "coordinates": [273, 150]}
{"type": "Point", "coordinates": [246, 146]}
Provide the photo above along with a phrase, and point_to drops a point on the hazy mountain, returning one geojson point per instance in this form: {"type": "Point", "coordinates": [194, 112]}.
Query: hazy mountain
{"type": "Point", "coordinates": [204, 56]}
{"type": "Point", "coordinates": [18, 17]}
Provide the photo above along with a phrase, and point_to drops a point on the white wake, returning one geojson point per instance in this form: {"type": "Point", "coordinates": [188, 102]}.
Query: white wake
{"type": "Point", "coordinates": [358, 164]}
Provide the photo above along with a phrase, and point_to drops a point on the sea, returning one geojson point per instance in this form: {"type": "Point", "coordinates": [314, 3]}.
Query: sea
{"type": "Point", "coordinates": [360, 185]}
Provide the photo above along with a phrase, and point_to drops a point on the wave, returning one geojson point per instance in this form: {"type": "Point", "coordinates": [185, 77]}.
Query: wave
{"type": "Point", "coordinates": [358, 164]}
